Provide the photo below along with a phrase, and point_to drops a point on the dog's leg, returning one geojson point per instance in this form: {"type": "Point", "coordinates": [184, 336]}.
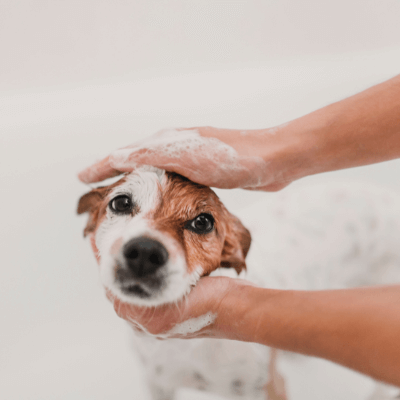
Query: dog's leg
{"type": "Point", "coordinates": [275, 387]}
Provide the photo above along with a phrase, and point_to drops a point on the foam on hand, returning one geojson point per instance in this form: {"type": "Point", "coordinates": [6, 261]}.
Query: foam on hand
{"type": "Point", "coordinates": [202, 156]}
{"type": "Point", "coordinates": [192, 325]}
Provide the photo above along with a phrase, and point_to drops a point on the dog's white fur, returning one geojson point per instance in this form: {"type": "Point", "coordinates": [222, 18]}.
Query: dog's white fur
{"type": "Point", "coordinates": [315, 238]}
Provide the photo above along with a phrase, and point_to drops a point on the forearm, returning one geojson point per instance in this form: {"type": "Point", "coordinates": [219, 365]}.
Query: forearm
{"type": "Point", "coordinates": [358, 328]}
{"type": "Point", "coordinates": [360, 130]}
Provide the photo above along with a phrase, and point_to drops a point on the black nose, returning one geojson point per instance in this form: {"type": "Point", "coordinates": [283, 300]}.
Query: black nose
{"type": "Point", "coordinates": [144, 256]}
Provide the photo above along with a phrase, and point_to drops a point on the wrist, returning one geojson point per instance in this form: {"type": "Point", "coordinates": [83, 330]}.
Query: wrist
{"type": "Point", "coordinates": [277, 318]}
{"type": "Point", "coordinates": [295, 150]}
{"type": "Point", "coordinates": [360, 130]}
{"type": "Point", "coordinates": [246, 311]}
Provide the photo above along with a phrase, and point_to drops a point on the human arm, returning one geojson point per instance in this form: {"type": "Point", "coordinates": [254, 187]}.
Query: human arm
{"type": "Point", "coordinates": [359, 130]}
{"type": "Point", "coordinates": [358, 328]}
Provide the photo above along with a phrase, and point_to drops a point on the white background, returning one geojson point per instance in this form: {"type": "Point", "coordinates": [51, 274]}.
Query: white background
{"type": "Point", "coordinates": [80, 78]}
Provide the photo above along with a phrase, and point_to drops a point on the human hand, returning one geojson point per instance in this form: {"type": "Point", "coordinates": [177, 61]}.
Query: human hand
{"type": "Point", "coordinates": [202, 313]}
{"type": "Point", "coordinates": [215, 157]}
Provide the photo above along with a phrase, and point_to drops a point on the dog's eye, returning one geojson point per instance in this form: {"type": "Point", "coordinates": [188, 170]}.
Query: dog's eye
{"type": "Point", "coordinates": [203, 223]}
{"type": "Point", "coordinates": [121, 204]}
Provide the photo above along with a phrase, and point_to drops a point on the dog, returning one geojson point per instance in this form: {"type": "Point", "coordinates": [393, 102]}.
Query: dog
{"type": "Point", "coordinates": [155, 233]}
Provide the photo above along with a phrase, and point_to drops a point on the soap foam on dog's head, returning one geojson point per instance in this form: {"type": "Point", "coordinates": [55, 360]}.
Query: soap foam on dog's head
{"type": "Point", "coordinates": [205, 154]}
{"type": "Point", "coordinates": [156, 233]}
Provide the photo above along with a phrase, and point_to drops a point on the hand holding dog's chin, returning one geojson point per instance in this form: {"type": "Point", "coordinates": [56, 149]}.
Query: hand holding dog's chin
{"type": "Point", "coordinates": [222, 158]}
{"type": "Point", "coordinates": [211, 296]}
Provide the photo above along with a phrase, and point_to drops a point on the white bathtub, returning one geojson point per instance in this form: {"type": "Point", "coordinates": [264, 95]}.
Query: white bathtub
{"type": "Point", "coordinates": [60, 339]}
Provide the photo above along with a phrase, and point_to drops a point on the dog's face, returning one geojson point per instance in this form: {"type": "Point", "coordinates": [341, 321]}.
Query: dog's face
{"type": "Point", "coordinates": [156, 233]}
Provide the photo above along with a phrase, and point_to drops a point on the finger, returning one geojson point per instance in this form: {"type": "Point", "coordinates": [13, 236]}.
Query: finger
{"type": "Point", "coordinates": [109, 295]}
{"type": "Point", "coordinates": [98, 172]}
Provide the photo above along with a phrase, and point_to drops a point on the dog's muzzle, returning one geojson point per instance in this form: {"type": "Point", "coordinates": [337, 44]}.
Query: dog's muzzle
{"type": "Point", "coordinates": [142, 259]}
{"type": "Point", "coordinates": [144, 256]}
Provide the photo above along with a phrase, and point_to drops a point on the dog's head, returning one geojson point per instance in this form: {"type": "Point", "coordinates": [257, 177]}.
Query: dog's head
{"type": "Point", "coordinates": [155, 233]}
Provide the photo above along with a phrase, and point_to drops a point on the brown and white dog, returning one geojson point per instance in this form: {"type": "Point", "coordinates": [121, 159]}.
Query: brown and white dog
{"type": "Point", "coordinates": [156, 233]}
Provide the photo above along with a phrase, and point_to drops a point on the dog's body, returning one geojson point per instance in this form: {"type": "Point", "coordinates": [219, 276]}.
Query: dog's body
{"type": "Point", "coordinates": [235, 370]}
{"type": "Point", "coordinates": [315, 239]}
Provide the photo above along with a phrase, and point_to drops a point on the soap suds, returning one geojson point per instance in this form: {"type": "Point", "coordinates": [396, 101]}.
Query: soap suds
{"type": "Point", "coordinates": [202, 156]}
{"type": "Point", "coordinates": [192, 325]}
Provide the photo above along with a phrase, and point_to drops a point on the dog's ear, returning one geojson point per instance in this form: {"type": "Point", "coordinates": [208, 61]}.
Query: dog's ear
{"type": "Point", "coordinates": [90, 203]}
{"type": "Point", "coordinates": [236, 245]}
